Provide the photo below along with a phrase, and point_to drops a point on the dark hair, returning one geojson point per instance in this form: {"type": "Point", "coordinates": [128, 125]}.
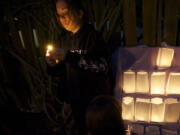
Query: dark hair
{"type": "Point", "coordinates": [76, 5]}
{"type": "Point", "coordinates": [103, 117]}
{"type": "Point", "coordinates": [73, 4]}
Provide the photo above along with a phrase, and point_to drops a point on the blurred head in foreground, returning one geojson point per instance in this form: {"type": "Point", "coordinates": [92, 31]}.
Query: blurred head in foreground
{"type": "Point", "coordinates": [104, 117]}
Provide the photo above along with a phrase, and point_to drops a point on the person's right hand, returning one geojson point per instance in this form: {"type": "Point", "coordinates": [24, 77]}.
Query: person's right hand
{"type": "Point", "coordinates": [55, 56]}
{"type": "Point", "coordinates": [50, 61]}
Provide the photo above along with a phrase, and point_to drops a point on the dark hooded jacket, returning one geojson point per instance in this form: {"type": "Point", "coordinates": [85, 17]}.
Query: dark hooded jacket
{"type": "Point", "coordinates": [83, 71]}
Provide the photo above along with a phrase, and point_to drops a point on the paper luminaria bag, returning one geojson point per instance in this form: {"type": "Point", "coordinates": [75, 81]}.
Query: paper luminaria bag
{"type": "Point", "coordinates": [148, 83]}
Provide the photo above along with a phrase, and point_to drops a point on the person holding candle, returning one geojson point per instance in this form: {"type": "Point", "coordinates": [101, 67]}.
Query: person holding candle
{"type": "Point", "coordinates": [83, 60]}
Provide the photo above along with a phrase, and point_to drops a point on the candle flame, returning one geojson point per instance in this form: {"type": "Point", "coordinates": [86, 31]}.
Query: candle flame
{"type": "Point", "coordinates": [50, 47]}
{"type": "Point", "coordinates": [47, 53]}
{"type": "Point", "coordinates": [57, 61]}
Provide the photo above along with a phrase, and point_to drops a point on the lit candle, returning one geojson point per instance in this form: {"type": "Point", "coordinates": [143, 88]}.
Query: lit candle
{"type": "Point", "coordinates": [142, 109]}
{"type": "Point", "coordinates": [172, 110]}
{"type": "Point", "coordinates": [57, 61]}
{"type": "Point", "coordinates": [158, 82]}
{"type": "Point", "coordinates": [165, 57]}
{"type": "Point", "coordinates": [129, 82]}
{"type": "Point", "coordinates": [173, 86]}
{"type": "Point", "coordinates": [49, 49]}
{"type": "Point", "coordinates": [128, 108]}
{"type": "Point", "coordinates": [142, 85]}
{"type": "Point", "coordinates": [157, 112]}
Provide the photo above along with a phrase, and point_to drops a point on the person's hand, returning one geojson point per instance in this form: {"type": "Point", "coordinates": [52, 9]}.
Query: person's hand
{"type": "Point", "coordinates": [55, 56]}
{"type": "Point", "coordinates": [72, 58]}
{"type": "Point", "coordinates": [50, 61]}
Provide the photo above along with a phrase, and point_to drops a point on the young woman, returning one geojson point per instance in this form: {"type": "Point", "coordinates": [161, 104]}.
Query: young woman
{"type": "Point", "coordinates": [83, 60]}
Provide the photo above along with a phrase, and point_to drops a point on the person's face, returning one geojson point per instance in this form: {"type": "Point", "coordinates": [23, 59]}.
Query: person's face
{"type": "Point", "coordinates": [67, 19]}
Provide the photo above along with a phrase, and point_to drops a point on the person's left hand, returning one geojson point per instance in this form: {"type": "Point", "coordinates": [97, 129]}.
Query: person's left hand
{"type": "Point", "coordinates": [72, 57]}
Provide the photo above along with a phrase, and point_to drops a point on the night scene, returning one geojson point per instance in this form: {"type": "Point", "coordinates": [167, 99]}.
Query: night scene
{"type": "Point", "coordinates": [89, 67]}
